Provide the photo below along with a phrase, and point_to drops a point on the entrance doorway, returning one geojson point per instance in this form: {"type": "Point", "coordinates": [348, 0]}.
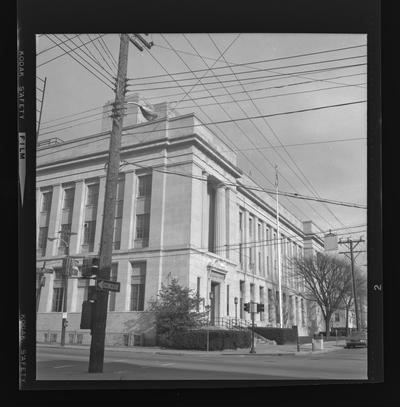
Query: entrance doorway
{"type": "Point", "coordinates": [215, 302]}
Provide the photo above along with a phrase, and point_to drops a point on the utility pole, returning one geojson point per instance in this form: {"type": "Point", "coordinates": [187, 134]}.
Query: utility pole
{"type": "Point", "coordinates": [352, 245]}
{"type": "Point", "coordinates": [65, 276]}
{"type": "Point", "coordinates": [100, 309]}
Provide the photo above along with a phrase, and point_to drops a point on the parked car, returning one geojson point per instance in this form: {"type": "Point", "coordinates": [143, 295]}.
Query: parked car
{"type": "Point", "coordinates": [357, 339]}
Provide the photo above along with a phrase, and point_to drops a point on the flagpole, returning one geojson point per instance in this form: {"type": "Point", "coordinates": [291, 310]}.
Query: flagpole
{"type": "Point", "coordinates": [279, 248]}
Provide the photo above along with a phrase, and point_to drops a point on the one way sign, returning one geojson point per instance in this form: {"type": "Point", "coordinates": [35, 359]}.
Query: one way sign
{"type": "Point", "coordinates": [108, 285]}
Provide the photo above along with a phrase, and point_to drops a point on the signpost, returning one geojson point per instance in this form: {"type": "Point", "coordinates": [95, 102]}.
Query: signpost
{"type": "Point", "coordinates": [108, 285]}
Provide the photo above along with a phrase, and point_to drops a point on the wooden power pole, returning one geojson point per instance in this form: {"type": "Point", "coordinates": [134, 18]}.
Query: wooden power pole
{"type": "Point", "coordinates": [100, 310]}
{"type": "Point", "coordinates": [351, 244]}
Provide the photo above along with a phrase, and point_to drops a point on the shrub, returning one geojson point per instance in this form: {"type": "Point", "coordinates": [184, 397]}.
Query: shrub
{"type": "Point", "coordinates": [197, 340]}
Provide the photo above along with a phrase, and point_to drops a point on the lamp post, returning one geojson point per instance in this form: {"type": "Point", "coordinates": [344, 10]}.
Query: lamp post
{"type": "Point", "coordinates": [65, 275]}
{"type": "Point", "coordinates": [236, 303]}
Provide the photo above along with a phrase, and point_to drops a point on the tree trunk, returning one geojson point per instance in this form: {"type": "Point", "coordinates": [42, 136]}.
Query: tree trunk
{"type": "Point", "coordinates": [327, 323]}
{"type": "Point", "coordinates": [347, 321]}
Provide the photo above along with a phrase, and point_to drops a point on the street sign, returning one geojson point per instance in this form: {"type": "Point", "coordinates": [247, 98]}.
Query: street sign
{"type": "Point", "coordinates": [108, 285]}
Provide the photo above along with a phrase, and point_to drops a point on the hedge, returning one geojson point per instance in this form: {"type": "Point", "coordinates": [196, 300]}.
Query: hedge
{"type": "Point", "coordinates": [197, 339]}
{"type": "Point", "coordinates": [279, 335]}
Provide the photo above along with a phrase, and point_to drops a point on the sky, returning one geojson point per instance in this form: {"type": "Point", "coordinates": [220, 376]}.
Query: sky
{"type": "Point", "coordinates": [324, 151]}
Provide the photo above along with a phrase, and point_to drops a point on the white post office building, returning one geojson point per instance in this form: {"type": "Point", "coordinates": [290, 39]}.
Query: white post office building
{"type": "Point", "coordinates": [184, 210]}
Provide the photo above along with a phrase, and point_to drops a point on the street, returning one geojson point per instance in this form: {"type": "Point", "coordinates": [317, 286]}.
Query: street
{"type": "Point", "coordinates": [72, 364]}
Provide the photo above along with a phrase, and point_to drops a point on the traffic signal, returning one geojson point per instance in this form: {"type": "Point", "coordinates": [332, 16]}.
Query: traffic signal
{"type": "Point", "coordinates": [260, 307]}
{"type": "Point", "coordinates": [246, 306]}
{"type": "Point", "coordinates": [90, 267]}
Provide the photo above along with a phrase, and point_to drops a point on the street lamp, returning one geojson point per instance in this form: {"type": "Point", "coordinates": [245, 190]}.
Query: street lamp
{"type": "Point", "coordinates": [65, 275]}
{"type": "Point", "coordinates": [147, 111]}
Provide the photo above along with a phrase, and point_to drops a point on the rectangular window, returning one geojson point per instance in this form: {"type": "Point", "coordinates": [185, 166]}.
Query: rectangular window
{"type": "Point", "coordinates": [88, 234]}
{"type": "Point", "coordinates": [46, 201]}
{"type": "Point", "coordinates": [118, 213]}
{"type": "Point", "coordinates": [144, 186]}
{"type": "Point", "coordinates": [57, 299]}
{"type": "Point", "coordinates": [112, 296]}
{"type": "Point", "coordinates": [251, 292]}
{"type": "Point", "coordinates": [138, 281]}
{"type": "Point", "coordinates": [83, 291]}
{"type": "Point", "coordinates": [142, 226]}
{"type": "Point", "coordinates": [337, 317]}
{"type": "Point", "coordinates": [68, 202]}
{"type": "Point", "coordinates": [259, 262]}
{"type": "Point", "coordinates": [42, 241]}
{"type": "Point", "coordinates": [270, 305]}
{"type": "Point", "coordinates": [241, 238]}
{"type": "Point", "coordinates": [227, 300]}
{"type": "Point", "coordinates": [92, 194]}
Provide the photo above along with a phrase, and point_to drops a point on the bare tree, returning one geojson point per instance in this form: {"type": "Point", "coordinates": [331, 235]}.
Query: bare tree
{"type": "Point", "coordinates": [326, 281]}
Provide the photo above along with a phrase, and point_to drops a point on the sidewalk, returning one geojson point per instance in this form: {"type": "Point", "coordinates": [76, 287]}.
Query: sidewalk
{"type": "Point", "coordinates": [261, 349]}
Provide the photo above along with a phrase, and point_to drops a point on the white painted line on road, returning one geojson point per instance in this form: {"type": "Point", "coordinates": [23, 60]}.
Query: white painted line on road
{"type": "Point", "coordinates": [167, 364]}
{"type": "Point", "coordinates": [59, 367]}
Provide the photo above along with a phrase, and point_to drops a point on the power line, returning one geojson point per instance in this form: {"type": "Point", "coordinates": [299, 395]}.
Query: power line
{"type": "Point", "coordinates": [238, 119]}
{"type": "Point", "coordinates": [313, 190]}
{"type": "Point", "coordinates": [101, 54]}
{"type": "Point", "coordinates": [242, 64]}
{"type": "Point", "coordinates": [246, 72]}
{"type": "Point", "coordinates": [93, 67]}
{"type": "Point", "coordinates": [64, 53]}
{"type": "Point", "coordinates": [107, 52]}
{"type": "Point", "coordinates": [80, 63]}
{"type": "Point", "coordinates": [215, 88]}
{"type": "Point", "coordinates": [276, 76]}
{"type": "Point", "coordinates": [54, 46]}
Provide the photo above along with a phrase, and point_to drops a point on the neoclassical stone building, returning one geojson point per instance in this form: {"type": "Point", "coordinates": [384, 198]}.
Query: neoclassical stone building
{"type": "Point", "coordinates": [184, 210]}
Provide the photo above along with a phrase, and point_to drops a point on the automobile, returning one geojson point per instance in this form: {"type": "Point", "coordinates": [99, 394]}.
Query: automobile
{"type": "Point", "coordinates": [357, 339]}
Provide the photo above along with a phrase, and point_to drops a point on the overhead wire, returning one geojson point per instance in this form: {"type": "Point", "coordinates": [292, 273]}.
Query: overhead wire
{"type": "Point", "coordinates": [101, 54]}
{"type": "Point", "coordinates": [246, 72]}
{"type": "Point", "coordinates": [311, 187]}
{"type": "Point", "coordinates": [109, 77]}
{"type": "Point", "coordinates": [54, 46]}
{"type": "Point", "coordinates": [61, 55]}
{"type": "Point", "coordinates": [266, 78]}
{"type": "Point", "coordinates": [83, 65]}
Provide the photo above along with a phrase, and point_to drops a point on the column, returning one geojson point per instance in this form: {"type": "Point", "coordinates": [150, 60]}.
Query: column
{"type": "Point", "coordinates": [128, 211]}
{"type": "Point", "coordinates": [220, 220]}
{"type": "Point", "coordinates": [204, 213]}
{"type": "Point", "coordinates": [73, 295]}
{"type": "Point", "coordinates": [54, 222]}
{"type": "Point", "coordinates": [77, 218]}
{"type": "Point", "coordinates": [45, 297]}
{"type": "Point", "coordinates": [99, 216]}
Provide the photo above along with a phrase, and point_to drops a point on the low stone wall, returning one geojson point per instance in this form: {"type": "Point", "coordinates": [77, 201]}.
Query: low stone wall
{"type": "Point", "coordinates": [123, 329]}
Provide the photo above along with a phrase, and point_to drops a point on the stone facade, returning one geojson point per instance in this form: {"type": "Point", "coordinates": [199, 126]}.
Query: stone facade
{"type": "Point", "coordinates": [195, 218]}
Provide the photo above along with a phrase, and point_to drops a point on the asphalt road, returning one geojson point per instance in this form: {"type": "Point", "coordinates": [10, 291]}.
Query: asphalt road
{"type": "Point", "coordinates": [72, 364]}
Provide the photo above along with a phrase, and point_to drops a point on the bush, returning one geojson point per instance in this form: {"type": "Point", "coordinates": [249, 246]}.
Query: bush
{"type": "Point", "coordinates": [197, 340]}
{"type": "Point", "coordinates": [279, 335]}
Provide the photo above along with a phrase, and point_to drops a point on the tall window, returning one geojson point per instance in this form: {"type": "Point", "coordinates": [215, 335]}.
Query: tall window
{"type": "Point", "coordinates": [58, 290]}
{"type": "Point", "coordinates": [138, 281]}
{"type": "Point", "coordinates": [142, 226]}
{"type": "Point", "coordinates": [143, 201]}
{"type": "Point", "coordinates": [241, 238]}
{"type": "Point", "coordinates": [337, 317]}
{"type": "Point", "coordinates": [144, 186]}
{"type": "Point", "coordinates": [89, 233]}
{"type": "Point", "coordinates": [92, 194]}
{"type": "Point", "coordinates": [44, 222]}
{"type": "Point", "coordinates": [270, 305]}
{"type": "Point", "coordinates": [46, 201]}
{"type": "Point", "coordinates": [211, 217]}
{"type": "Point", "coordinates": [68, 201]}
{"type": "Point", "coordinates": [251, 292]}
{"type": "Point", "coordinates": [83, 290]}
{"type": "Point", "coordinates": [113, 277]}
